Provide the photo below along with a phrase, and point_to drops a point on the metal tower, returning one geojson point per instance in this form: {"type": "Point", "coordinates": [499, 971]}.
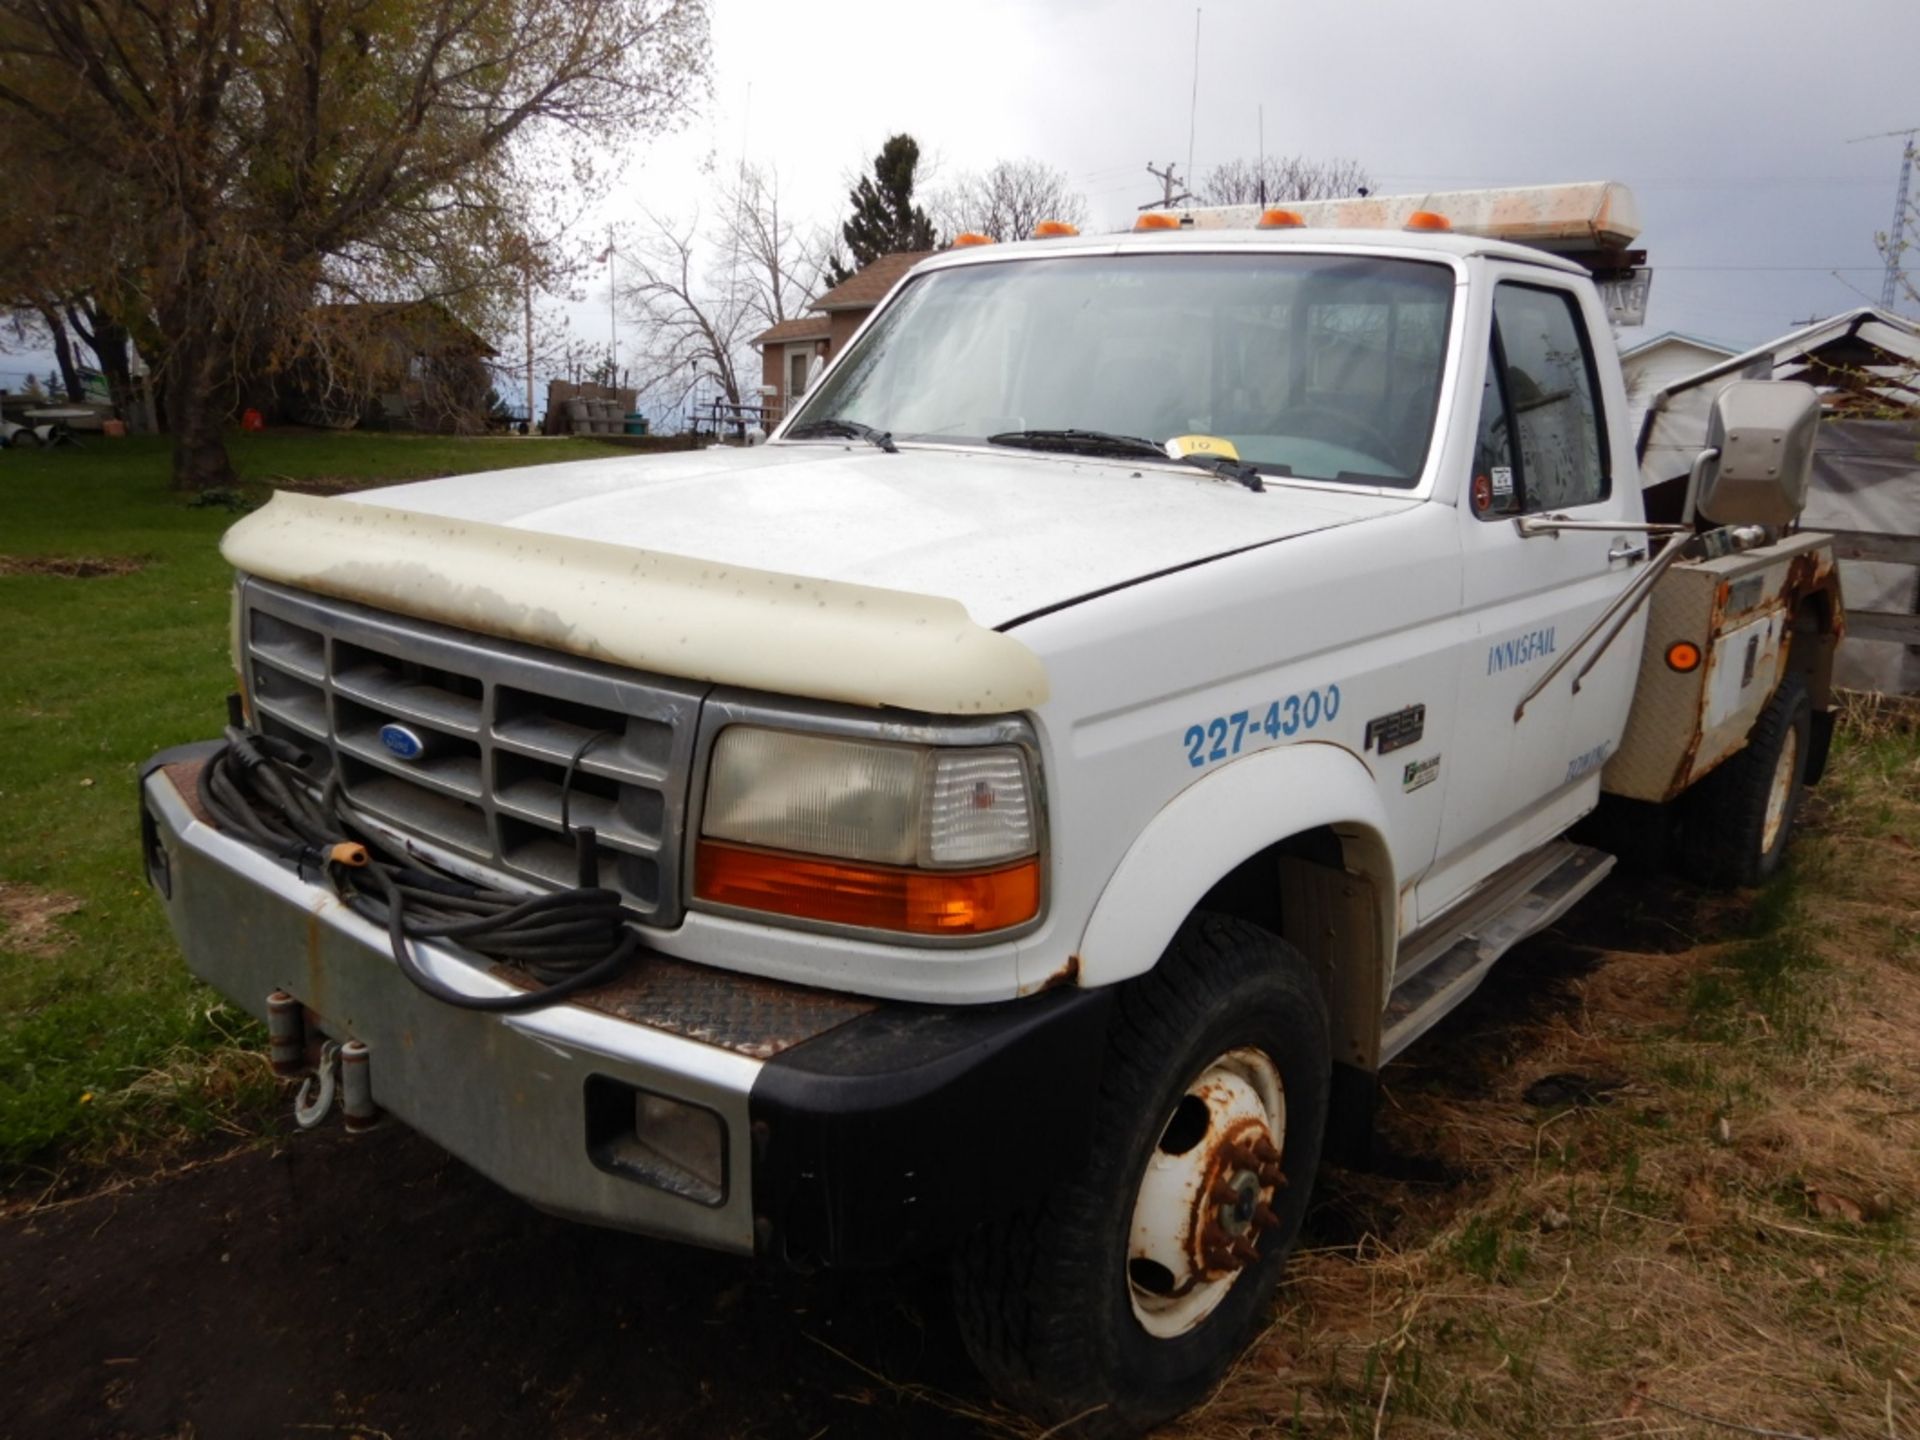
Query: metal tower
{"type": "Point", "coordinates": [1896, 233]}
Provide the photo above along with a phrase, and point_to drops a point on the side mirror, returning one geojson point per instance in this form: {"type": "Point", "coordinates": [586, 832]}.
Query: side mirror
{"type": "Point", "coordinates": [1759, 453]}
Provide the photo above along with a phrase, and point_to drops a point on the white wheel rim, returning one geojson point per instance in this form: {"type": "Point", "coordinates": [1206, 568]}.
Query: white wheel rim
{"type": "Point", "coordinates": [1785, 767]}
{"type": "Point", "coordinates": [1205, 1198]}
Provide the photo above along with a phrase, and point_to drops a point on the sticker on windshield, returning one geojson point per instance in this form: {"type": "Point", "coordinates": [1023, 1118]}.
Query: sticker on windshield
{"type": "Point", "coordinates": [1502, 480]}
{"type": "Point", "coordinates": [1181, 446]}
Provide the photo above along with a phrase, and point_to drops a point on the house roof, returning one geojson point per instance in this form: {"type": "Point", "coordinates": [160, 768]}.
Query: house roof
{"type": "Point", "coordinates": [427, 324]}
{"type": "Point", "coordinates": [801, 327]}
{"type": "Point", "coordinates": [868, 285]}
{"type": "Point", "coordinates": [1863, 352]}
{"type": "Point", "coordinates": [1866, 329]}
{"type": "Point", "coordinates": [1677, 336]}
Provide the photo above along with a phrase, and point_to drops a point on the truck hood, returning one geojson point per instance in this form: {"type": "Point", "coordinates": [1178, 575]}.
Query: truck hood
{"type": "Point", "coordinates": [1004, 534]}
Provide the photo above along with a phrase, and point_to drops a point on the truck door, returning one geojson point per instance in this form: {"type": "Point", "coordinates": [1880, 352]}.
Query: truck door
{"type": "Point", "coordinates": [1541, 448]}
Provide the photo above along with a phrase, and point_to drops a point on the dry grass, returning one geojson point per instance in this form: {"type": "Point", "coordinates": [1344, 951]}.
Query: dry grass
{"type": "Point", "coordinates": [30, 918]}
{"type": "Point", "coordinates": [1725, 1246]}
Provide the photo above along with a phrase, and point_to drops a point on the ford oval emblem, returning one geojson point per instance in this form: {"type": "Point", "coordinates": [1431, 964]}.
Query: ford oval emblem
{"type": "Point", "coordinates": [403, 743]}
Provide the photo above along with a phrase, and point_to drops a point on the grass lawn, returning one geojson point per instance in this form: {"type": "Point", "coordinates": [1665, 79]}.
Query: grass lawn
{"type": "Point", "coordinates": [104, 1040]}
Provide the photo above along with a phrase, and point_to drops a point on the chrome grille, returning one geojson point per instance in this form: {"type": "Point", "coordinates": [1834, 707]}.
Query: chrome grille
{"type": "Point", "coordinates": [500, 721]}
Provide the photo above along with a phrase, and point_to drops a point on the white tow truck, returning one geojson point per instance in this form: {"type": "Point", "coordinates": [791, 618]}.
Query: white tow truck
{"type": "Point", "coordinates": [1144, 687]}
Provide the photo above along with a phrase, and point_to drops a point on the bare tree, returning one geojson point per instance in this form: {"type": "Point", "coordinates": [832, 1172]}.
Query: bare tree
{"type": "Point", "coordinates": [262, 156]}
{"type": "Point", "coordinates": [1280, 178]}
{"type": "Point", "coordinates": [699, 299]}
{"type": "Point", "coordinates": [781, 262]}
{"type": "Point", "coordinates": [1007, 201]}
{"type": "Point", "coordinates": [695, 334]}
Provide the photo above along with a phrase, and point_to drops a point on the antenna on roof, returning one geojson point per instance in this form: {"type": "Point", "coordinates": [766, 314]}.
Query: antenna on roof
{"type": "Point", "coordinates": [1896, 241]}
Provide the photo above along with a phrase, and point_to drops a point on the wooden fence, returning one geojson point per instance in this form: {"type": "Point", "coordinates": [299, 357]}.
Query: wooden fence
{"type": "Point", "coordinates": [1881, 550]}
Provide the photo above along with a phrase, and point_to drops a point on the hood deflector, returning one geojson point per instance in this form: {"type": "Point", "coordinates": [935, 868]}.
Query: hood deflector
{"type": "Point", "coordinates": [790, 634]}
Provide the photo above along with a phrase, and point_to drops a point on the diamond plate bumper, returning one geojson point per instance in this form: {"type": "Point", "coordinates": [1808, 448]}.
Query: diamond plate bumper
{"type": "Point", "coordinates": [504, 1093]}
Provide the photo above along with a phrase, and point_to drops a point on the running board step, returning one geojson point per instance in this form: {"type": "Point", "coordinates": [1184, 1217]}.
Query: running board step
{"type": "Point", "coordinates": [1443, 963]}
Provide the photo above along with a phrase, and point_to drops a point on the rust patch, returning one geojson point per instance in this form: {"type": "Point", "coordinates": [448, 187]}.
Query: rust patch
{"type": "Point", "coordinates": [185, 775]}
{"type": "Point", "coordinates": [1067, 974]}
{"type": "Point", "coordinates": [29, 919]}
{"type": "Point", "coordinates": [71, 567]}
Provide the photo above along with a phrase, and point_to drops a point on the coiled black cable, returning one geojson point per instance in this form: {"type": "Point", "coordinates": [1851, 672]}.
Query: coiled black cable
{"type": "Point", "coordinates": [570, 940]}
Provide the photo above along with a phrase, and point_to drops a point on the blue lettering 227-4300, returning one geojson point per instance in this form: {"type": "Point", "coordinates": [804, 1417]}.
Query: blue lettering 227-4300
{"type": "Point", "coordinates": [1519, 650]}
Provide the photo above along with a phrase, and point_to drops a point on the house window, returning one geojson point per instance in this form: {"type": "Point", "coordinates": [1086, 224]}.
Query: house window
{"type": "Point", "coordinates": [796, 374]}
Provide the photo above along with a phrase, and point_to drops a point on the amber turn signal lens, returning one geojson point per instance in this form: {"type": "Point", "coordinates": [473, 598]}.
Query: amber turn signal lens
{"type": "Point", "coordinates": [1428, 220]}
{"type": "Point", "coordinates": [1684, 656]}
{"type": "Point", "coordinates": [875, 897]}
{"type": "Point", "coordinates": [1053, 229]}
{"type": "Point", "coordinates": [1280, 220]}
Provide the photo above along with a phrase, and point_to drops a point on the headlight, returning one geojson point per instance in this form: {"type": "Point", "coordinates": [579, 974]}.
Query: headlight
{"type": "Point", "coordinates": [917, 838]}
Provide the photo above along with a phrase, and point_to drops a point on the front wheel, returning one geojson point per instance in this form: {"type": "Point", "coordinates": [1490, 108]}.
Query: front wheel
{"type": "Point", "coordinates": [1735, 824]}
{"type": "Point", "coordinates": [1121, 1297]}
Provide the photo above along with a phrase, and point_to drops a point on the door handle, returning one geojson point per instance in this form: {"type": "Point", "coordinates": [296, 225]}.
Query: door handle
{"type": "Point", "coordinates": [1626, 550]}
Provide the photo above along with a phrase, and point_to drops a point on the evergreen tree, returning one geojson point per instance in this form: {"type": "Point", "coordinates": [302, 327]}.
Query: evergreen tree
{"type": "Point", "coordinates": [884, 218]}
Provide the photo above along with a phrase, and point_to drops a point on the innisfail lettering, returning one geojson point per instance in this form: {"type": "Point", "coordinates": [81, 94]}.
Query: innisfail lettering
{"type": "Point", "coordinates": [1520, 650]}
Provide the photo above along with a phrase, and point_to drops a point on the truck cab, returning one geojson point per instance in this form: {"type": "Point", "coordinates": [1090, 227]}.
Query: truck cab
{"type": "Point", "coordinates": [1146, 685]}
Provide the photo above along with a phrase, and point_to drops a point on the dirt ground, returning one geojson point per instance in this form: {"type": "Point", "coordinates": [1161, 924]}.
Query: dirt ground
{"type": "Point", "coordinates": [374, 1286]}
{"type": "Point", "coordinates": [329, 1285]}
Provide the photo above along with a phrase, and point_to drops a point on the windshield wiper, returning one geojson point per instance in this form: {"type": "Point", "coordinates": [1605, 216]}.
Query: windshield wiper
{"type": "Point", "coordinates": [1237, 471]}
{"type": "Point", "coordinates": [1083, 442]}
{"type": "Point", "coordinates": [1103, 442]}
{"type": "Point", "coordinates": [845, 429]}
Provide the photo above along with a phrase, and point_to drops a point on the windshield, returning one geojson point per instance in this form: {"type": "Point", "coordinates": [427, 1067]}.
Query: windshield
{"type": "Point", "coordinates": [1322, 367]}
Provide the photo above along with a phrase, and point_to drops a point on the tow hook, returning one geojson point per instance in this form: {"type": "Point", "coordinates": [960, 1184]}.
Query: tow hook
{"type": "Point", "coordinates": [344, 1070]}
{"type": "Point", "coordinates": [315, 1099]}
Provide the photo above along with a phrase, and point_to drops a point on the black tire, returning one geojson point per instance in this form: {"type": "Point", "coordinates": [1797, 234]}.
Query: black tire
{"type": "Point", "coordinates": [1724, 840]}
{"type": "Point", "coordinates": [1043, 1297]}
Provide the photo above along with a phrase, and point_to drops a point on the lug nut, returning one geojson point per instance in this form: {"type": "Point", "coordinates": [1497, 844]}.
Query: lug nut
{"type": "Point", "coordinates": [1265, 1219]}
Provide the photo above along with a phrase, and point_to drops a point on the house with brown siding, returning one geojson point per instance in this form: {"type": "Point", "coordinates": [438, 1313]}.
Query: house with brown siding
{"type": "Point", "coordinates": [788, 349]}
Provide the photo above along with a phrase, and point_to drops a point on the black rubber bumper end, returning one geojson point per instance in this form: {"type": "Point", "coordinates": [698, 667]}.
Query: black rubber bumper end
{"type": "Point", "coordinates": [896, 1134]}
{"type": "Point", "coordinates": [159, 866]}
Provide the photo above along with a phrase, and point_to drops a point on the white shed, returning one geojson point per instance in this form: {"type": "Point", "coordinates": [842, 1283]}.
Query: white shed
{"type": "Point", "coordinates": [1653, 365]}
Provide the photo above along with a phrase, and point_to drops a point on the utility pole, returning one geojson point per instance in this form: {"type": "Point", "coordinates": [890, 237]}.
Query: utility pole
{"type": "Point", "coordinates": [1169, 181]}
{"type": "Point", "coordinates": [1896, 233]}
{"type": "Point", "coordinates": [527, 291]}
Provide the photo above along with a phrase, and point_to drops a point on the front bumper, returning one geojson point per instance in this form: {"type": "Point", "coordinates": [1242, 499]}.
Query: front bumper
{"type": "Point", "coordinates": [854, 1133]}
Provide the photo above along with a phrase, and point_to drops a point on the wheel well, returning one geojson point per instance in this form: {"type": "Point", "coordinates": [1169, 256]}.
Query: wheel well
{"type": "Point", "coordinates": [1320, 891]}
{"type": "Point", "coordinates": [1810, 655]}
{"type": "Point", "coordinates": [1813, 643]}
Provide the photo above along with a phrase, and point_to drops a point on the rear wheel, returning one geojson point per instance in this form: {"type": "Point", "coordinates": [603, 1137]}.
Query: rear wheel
{"type": "Point", "coordinates": [1121, 1297]}
{"type": "Point", "coordinates": [1735, 824]}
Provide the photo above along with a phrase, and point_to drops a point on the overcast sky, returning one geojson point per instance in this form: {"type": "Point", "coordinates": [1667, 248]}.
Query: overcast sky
{"type": "Point", "coordinates": [1728, 119]}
